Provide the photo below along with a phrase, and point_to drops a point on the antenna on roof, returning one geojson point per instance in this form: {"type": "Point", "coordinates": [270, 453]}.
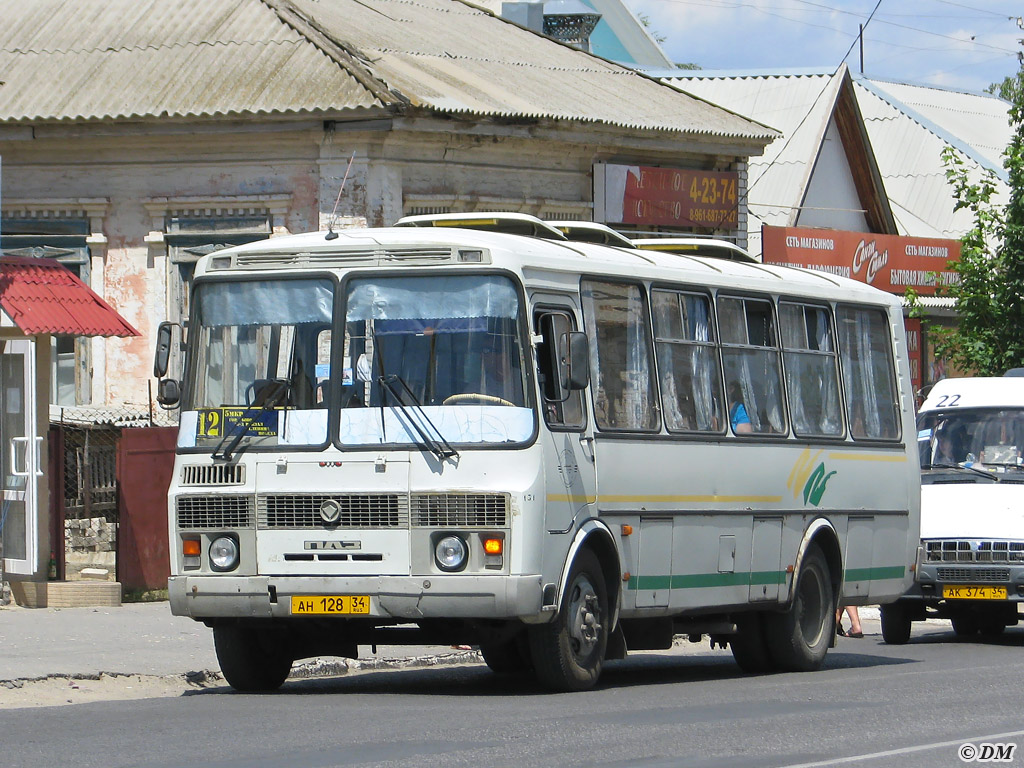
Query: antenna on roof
{"type": "Point", "coordinates": [331, 234]}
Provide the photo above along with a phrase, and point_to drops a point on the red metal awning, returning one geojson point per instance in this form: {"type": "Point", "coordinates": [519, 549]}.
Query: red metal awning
{"type": "Point", "coordinates": [42, 296]}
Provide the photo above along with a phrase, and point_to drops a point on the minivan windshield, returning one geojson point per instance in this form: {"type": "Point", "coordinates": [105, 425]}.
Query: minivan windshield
{"type": "Point", "coordinates": [991, 439]}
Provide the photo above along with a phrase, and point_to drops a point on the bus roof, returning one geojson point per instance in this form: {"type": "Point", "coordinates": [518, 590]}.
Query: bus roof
{"type": "Point", "coordinates": [976, 392]}
{"type": "Point", "coordinates": [592, 232]}
{"type": "Point", "coordinates": [509, 223]}
{"type": "Point", "coordinates": [412, 246]}
{"type": "Point", "coordinates": [695, 246]}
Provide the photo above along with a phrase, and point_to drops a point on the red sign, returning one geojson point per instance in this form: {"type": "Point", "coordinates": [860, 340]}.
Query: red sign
{"type": "Point", "coordinates": [889, 262]}
{"type": "Point", "coordinates": [677, 197]}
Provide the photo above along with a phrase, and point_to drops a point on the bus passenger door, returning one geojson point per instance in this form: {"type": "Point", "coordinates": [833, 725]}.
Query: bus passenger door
{"type": "Point", "coordinates": [569, 461]}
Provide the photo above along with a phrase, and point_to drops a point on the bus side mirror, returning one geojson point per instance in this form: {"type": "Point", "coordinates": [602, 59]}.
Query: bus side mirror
{"type": "Point", "coordinates": [168, 392]}
{"type": "Point", "coordinates": [164, 338]}
{"type": "Point", "coordinates": [574, 359]}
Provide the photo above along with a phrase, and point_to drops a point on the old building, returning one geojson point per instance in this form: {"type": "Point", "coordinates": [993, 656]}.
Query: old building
{"type": "Point", "coordinates": [163, 129]}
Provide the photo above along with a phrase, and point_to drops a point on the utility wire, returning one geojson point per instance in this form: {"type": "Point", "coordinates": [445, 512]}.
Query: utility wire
{"type": "Point", "coordinates": [860, 36]}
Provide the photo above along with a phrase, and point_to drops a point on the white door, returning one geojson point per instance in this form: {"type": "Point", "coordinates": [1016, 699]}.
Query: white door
{"type": "Point", "coordinates": [19, 456]}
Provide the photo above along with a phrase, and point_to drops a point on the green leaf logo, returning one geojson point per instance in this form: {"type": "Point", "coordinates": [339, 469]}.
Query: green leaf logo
{"type": "Point", "coordinates": [814, 488]}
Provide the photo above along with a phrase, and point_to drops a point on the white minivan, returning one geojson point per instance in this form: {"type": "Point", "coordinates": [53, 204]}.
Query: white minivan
{"type": "Point", "coordinates": [970, 567]}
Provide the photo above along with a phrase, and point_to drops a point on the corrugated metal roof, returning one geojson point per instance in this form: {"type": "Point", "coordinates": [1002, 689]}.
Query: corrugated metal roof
{"type": "Point", "coordinates": [122, 59]}
{"type": "Point", "coordinates": [907, 142]}
{"type": "Point", "coordinates": [909, 156]}
{"type": "Point", "coordinates": [42, 296]}
{"type": "Point", "coordinates": [799, 107]}
{"type": "Point", "coordinates": [976, 123]}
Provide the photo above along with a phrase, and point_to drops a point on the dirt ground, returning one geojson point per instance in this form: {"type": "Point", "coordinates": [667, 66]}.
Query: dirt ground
{"type": "Point", "coordinates": [61, 691]}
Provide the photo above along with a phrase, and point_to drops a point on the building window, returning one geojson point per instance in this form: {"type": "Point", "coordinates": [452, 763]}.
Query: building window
{"type": "Point", "coordinates": [189, 238]}
{"type": "Point", "coordinates": [63, 239]}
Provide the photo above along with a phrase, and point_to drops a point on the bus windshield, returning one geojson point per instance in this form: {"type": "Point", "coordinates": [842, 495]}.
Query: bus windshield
{"type": "Point", "coordinates": [444, 351]}
{"type": "Point", "coordinates": [986, 438]}
{"type": "Point", "coordinates": [261, 357]}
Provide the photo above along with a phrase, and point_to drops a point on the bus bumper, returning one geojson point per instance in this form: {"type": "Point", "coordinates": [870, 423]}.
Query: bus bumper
{"type": "Point", "coordinates": [405, 598]}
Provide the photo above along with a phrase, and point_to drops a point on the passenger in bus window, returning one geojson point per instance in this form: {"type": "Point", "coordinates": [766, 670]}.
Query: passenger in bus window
{"type": "Point", "coordinates": [738, 417]}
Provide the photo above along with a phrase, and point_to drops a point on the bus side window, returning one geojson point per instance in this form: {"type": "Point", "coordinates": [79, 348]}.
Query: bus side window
{"type": "Point", "coordinates": [562, 408]}
{"type": "Point", "coordinates": [865, 351]}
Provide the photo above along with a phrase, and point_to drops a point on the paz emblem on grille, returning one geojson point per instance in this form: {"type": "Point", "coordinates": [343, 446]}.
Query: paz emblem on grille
{"type": "Point", "coordinates": [330, 511]}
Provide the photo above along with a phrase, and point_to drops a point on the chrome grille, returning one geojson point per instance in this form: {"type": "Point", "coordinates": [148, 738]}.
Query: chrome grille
{"type": "Point", "coordinates": [213, 474]}
{"type": "Point", "coordinates": [462, 510]}
{"type": "Point", "coordinates": [195, 512]}
{"type": "Point", "coordinates": [357, 510]}
{"type": "Point", "coordinates": [974, 551]}
{"type": "Point", "coordinates": [973, 575]}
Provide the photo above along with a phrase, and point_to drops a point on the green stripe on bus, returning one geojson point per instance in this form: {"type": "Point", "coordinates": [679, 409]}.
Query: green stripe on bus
{"type": "Point", "coordinates": [875, 574]}
{"type": "Point", "coordinates": [708, 580]}
{"type": "Point", "coordinates": [705, 580]}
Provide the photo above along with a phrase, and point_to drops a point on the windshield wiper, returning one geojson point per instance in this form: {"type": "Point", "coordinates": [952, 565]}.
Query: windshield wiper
{"type": "Point", "coordinates": [275, 394]}
{"type": "Point", "coordinates": [962, 468]}
{"type": "Point", "coordinates": [438, 446]}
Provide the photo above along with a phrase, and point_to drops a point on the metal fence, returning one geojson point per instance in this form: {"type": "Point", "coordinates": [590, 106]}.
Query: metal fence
{"type": "Point", "coordinates": [84, 483]}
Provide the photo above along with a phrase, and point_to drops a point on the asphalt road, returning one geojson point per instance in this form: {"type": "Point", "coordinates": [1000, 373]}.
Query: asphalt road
{"type": "Point", "coordinates": [873, 705]}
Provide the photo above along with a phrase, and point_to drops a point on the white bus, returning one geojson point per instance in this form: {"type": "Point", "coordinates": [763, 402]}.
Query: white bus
{"type": "Point", "coordinates": [557, 451]}
{"type": "Point", "coordinates": [971, 569]}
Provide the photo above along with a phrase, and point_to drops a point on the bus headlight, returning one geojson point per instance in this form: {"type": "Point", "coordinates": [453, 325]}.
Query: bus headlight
{"type": "Point", "coordinates": [224, 553]}
{"type": "Point", "coordinates": [450, 553]}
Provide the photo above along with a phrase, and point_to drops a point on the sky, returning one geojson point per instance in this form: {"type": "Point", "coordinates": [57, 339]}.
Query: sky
{"type": "Point", "coordinates": [963, 44]}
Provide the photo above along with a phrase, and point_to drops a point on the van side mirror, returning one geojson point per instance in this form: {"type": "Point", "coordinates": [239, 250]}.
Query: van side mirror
{"type": "Point", "coordinates": [574, 360]}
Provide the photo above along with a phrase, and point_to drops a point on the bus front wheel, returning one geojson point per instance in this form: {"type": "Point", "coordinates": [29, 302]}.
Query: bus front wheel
{"type": "Point", "coordinates": [798, 639]}
{"type": "Point", "coordinates": [567, 653]}
{"type": "Point", "coordinates": [252, 661]}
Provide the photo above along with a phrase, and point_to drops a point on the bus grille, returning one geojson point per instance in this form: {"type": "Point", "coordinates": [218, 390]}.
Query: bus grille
{"type": "Point", "coordinates": [195, 512]}
{"type": "Point", "coordinates": [462, 510]}
{"type": "Point", "coordinates": [356, 510]}
{"type": "Point", "coordinates": [974, 575]}
{"type": "Point", "coordinates": [213, 474]}
{"type": "Point", "coordinates": [974, 551]}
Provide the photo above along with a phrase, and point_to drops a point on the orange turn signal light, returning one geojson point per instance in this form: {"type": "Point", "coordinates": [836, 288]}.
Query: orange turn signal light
{"type": "Point", "coordinates": [493, 546]}
{"type": "Point", "coordinates": [190, 548]}
{"type": "Point", "coordinates": [627, 530]}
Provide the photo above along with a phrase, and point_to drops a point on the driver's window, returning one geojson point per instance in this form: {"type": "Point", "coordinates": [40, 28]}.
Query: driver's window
{"type": "Point", "coordinates": [562, 408]}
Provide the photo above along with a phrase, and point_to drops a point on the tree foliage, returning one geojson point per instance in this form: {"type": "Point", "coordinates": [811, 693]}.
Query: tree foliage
{"type": "Point", "coordinates": [989, 297]}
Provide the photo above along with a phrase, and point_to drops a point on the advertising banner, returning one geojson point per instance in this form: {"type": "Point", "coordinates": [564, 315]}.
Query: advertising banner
{"type": "Point", "coordinates": [889, 262]}
{"type": "Point", "coordinates": [641, 195]}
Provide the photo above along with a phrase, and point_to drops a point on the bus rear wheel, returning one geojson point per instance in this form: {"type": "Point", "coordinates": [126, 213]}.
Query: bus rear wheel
{"type": "Point", "coordinates": [748, 645]}
{"type": "Point", "coordinates": [251, 660]}
{"type": "Point", "coordinates": [798, 639]}
{"type": "Point", "coordinates": [567, 653]}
